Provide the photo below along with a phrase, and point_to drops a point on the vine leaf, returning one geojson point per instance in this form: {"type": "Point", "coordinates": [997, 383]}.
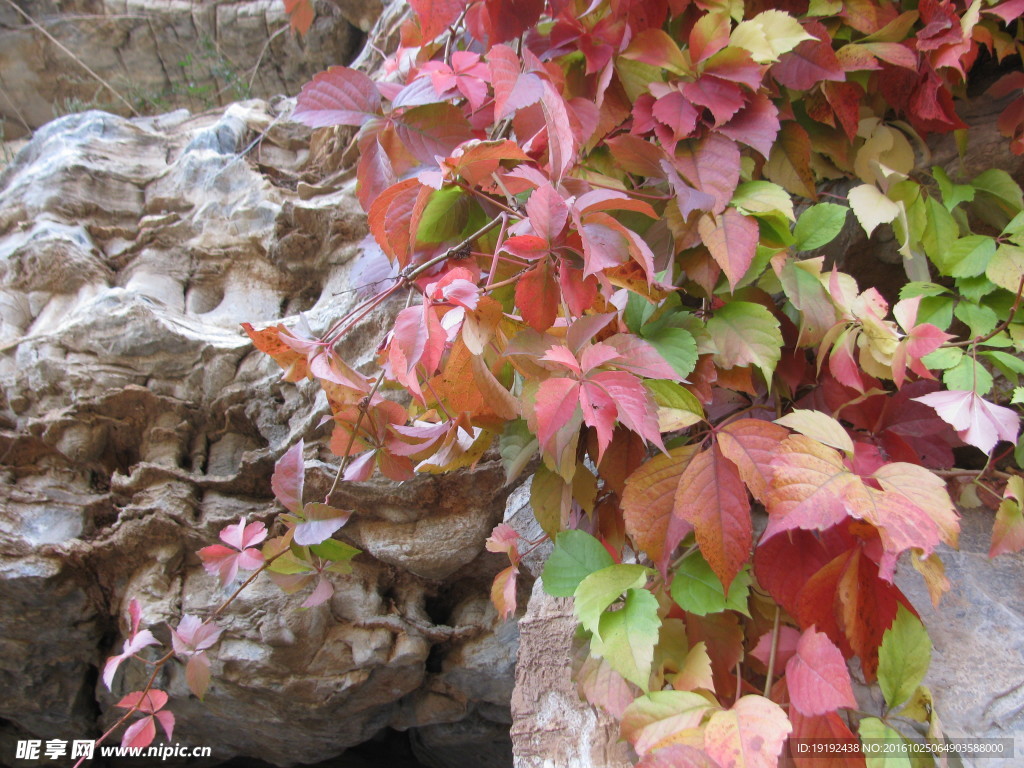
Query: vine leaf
{"type": "Point", "coordinates": [337, 96]}
{"type": "Point", "coordinates": [656, 717]}
{"type": "Point", "coordinates": [626, 637]}
{"type": "Point", "coordinates": [648, 502]}
{"type": "Point", "coordinates": [903, 658]}
{"type": "Point", "coordinates": [576, 555]}
{"type": "Point", "coordinates": [288, 477]}
{"type": "Point", "coordinates": [751, 445]}
{"type": "Point", "coordinates": [436, 15]}
{"type": "Point", "coordinates": [817, 677]}
{"type": "Point", "coordinates": [976, 421]}
{"type": "Point", "coordinates": [1008, 531]}
{"type": "Point", "coordinates": [745, 333]}
{"type": "Point", "coordinates": [750, 735]}
{"type": "Point", "coordinates": [732, 240]}
{"type": "Point", "coordinates": [711, 497]}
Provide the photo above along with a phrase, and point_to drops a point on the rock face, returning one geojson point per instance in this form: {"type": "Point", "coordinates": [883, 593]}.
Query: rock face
{"type": "Point", "coordinates": [137, 420]}
{"type": "Point", "coordinates": [158, 54]}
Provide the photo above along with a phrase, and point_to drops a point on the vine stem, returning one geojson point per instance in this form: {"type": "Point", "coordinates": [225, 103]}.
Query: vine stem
{"type": "Point", "coordinates": [409, 275]}
{"type": "Point", "coordinates": [773, 652]}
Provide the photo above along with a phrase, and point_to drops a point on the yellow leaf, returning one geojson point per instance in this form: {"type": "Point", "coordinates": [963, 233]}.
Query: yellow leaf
{"type": "Point", "coordinates": [871, 207]}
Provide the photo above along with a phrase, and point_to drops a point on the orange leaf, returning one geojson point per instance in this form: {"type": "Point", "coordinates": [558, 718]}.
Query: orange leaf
{"type": "Point", "coordinates": [751, 444]}
{"type": "Point", "coordinates": [712, 497]}
{"type": "Point", "coordinates": [648, 501]}
{"type": "Point", "coordinates": [750, 735]}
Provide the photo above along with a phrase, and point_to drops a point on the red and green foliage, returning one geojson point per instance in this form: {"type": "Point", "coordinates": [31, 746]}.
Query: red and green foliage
{"type": "Point", "coordinates": [610, 215]}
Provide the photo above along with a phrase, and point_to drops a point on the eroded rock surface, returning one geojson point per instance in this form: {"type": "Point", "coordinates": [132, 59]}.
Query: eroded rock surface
{"type": "Point", "coordinates": [137, 421]}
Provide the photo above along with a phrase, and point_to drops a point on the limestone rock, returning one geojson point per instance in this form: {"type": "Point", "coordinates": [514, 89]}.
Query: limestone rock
{"type": "Point", "coordinates": [137, 420]}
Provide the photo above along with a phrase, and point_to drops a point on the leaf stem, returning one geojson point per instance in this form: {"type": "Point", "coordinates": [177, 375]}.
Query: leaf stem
{"type": "Point", "coordinates": [999, 328]}
{"type": "Point", "coordinates": [364, 406]}
{"type": "Point", "coordinates": [773, 652]}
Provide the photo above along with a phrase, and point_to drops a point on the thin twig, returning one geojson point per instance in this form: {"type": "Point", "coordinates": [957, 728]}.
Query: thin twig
{"type": "Point", "coordinates": [347, 458]}
{"type": "Point", "coordinates": [999, 328]}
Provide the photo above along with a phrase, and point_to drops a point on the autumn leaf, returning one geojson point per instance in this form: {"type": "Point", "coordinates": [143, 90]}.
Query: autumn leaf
{"type": "Point", "coordinates": [750, 735]}
{"type": "Point", "coordinates": [300, 15]}
{"type": "Point", "coordinates": [649, 500]}
{"type": "Point", "coordinates": [436, 15]}
{"type": "Point", "coordinates": [337, 96]}
{"type": "Point", "coordinates": [977, 421]}
{"type": "Point", "coordinates": [712, 497]}
{"type": "Point", "coordinates": [817, 677]}
{"type": "Point", "coordinates": [1008, 530]}
{"type": "Point", "coordinates": [653, 719]}
{"type": "Point", "coordinates": [751, 445]}
{"type": "Point", "coordinates": [732, 240]}
{"type": "Point", "coordinates": [745, 333]}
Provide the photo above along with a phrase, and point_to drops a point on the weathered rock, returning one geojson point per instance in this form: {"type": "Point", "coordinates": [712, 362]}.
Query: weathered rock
{"type": "Point", "coordinates": [551, 726]}
{"type": "Point", "coordinates": [160, 54]}
{"type": "Point", "coordinates": [137, 420]}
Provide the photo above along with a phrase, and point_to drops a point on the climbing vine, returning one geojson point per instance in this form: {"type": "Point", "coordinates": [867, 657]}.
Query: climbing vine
{"type": "Point", "coordinates": [620, 226]}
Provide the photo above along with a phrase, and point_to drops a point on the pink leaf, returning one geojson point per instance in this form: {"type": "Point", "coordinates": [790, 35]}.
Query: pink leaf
{"type": "Point", "coordinates": [547, 212]}
{"type": "Point", "coordinates": [240, 535]}
{"type": "Point", "coordinates": [193, 634]}
{"type": "Point", "coordinates": [321, 521]}
{"type": "Point", "coordinates": [148, 702]}
{"type": "Point", "coordinates": [322, 593]}
{"type": "Point", "coordinates": [436, 15]}
{"type": "Point", "coordinates": [166, 722]}
{"type": "Point", "coordinates": [817, 676]}
{"type": "Point", "coordinates": [339, 96]}
{"type": "Point", "coordinates": [513, 89]}
{"type": "Point", "coordinates": [557, 399]}
{"type": "Point", "coordinates": [140, 733]}
{"type": "Point", "coordinates": [286, 482]}
{"type": "Point", "coordinates": [732, 240]}
{"type": "Point", "coordinates": [977, 421]}
{"type": "Point", "coordinates": [504, 538]}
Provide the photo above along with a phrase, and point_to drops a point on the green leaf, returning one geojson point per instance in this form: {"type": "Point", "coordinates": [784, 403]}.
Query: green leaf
{"type": "Point", "coordinates": [966, 256]}
{"type": "Point", "coordinates": [914, 289]}
{"type": "Point", "coordinates": [952, 194]}
{"type": "Point", "coordinates": [1018, 396]}
{"type": "Point", "coordinates": [968, 375]}
{"type": "Point", "coordinates": [676, 345]}
{"type": "Point", "coordinates": [759, 198]}
{"type": "Point", "coordinates": [937, 310]}
{"type": "Point", "coordinates": [903, 657]}
{"type": "Point", "coordinates": [882, 756]}
{"type": "Point", "coordinates": [334, 550]}
{"type": "Point", "coordinates": [697, 589]}
{"type": "Point", "coordinates": [444, 216]}
{"type": "Point", "coordinates": [289, 563]}
{"type": "Point", "coordinates": [602, 588]}
{"type": "Point", "coordinates": [1011, 366]}
{"type": "Point", "coordinates": [979, 319]}
{"type": "Point", "coordinates": [940, 230]}
{"type": "Point", "coordinates": [576, 555]}
{"type": "Point", "coordinates": [1000, 185]}
{"type": "Point", "coordinates": [626, 637]}
{"type": "Point", "coordinates": [745, 333]}
{"type": "Point", "coordinates": [819, 225]}
{"type": "Point", "coordinates": [516, 446]}
{"type": "Point", "coordinates": [975, 288]}
{"type": "Point", "coordinates": [943, 359]}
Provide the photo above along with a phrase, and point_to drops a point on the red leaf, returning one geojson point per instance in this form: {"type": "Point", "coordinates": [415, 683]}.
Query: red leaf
{"type": "Point", "coordinates": [557, 400]}
{"type": "Point", "coordinates": [432, 131]}
{"type": "Point", "coordinates": [338, 96]}
{"type": "Point", "coordinates": [817, 677]}
{"type": "Point", "coordinates": [811, 62]}
{"type": "Point", "coordinates": [711, 165]}
{"type": "Point", "coordinates": [712, 497]}
{"type": "Point", "coordinates": [732, 240]}
{"type": "Point", "coordinates": [756, 125]}
{"type": "Point", "coordinates": [751, 445]}
{"type": "Point", "coordinates": [288, 478]}
{"type": "Point", "coordinates": [269, 342]}
{"type": "Point", "coordinates": [547, 212]}
{"type": "Point", "coordinates": [538, 297]}
{"type": "Point", "coordinates": [648, 502]}
{"type": "Point", "coordinates": [149, 702]}
{"type": "Point", "coordinates": [721, 97]}
{"type": "Point", "coordinates": [436, 15]}
{"type": "Point", "coordinates": [507, 19]}
{"type": "Point", "coordinates": [630, 402]}
{"type": "Point", "coordinates": [830, 726]}
{"type": "Point", "coordinates": [513, 88]}
{"type": "Point", "coordinates": [300, 14]}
